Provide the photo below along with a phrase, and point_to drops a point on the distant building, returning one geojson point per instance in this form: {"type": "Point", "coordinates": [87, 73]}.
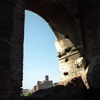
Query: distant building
{"type": "Point", "coordinates": [43, 85]}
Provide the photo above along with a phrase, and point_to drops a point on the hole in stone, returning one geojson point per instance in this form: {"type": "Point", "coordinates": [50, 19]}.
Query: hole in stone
{"type": "Point", "coordinates": [78, 66]}
{"type": "Point", "coordinates": [59, 55]}
{"type": "Point", "coordinates": [65, 73]}
{"type": "Point", "coordinates": [68, 49]}
{"type": "Point", "coordinates": [66, 36]}
{"type": "Point", "coordinates": [66, 59]}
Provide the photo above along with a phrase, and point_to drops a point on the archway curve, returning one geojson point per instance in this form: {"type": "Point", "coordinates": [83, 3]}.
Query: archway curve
{"type": "Point", "coordinates": [61, 20]}
{"type": "Point", "coordinates": [54, 13]}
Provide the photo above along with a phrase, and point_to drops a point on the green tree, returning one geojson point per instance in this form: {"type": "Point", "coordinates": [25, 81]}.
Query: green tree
{"type": "Point", "coordinates": [28, 94]}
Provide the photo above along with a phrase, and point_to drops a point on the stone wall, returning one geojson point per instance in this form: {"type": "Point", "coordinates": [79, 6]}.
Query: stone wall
{"type": "Point", "coordinates": [11, 47]}
{"type": "Point", "coordinates": [90, 17]}
{"type": "Point", "coordinates": [76, 25]}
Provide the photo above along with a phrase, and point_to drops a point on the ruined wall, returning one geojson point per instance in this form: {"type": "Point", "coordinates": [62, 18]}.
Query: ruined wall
{"type": "Point", "coordinates": [70, 44]}
{"type": "Point", "coordinates": [76, 26]}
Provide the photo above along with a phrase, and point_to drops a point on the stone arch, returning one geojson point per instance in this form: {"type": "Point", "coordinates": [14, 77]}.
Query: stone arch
{"type": "Point", "coordinates": [66, 27]}
{"type": "Point", "coordinates": [74, 22]}
{"type": "Point", "coordinates": [59, 19]}
{"type": "Point", "coordinates": [57, 16]}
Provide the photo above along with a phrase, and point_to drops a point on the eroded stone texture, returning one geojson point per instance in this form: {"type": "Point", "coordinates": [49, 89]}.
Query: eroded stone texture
{"type": "Point", "coordinates": [71, 62]}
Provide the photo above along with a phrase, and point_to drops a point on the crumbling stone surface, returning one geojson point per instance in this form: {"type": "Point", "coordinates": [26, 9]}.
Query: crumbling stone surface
{"type": "Point", "coordinates": [74, 90]}
{"type": "Point", "coordinates": [71, 63]}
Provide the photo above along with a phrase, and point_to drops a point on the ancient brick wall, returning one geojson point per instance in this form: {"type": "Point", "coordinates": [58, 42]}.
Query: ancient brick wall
{"type": "Point", "coordinates": [11, 47]}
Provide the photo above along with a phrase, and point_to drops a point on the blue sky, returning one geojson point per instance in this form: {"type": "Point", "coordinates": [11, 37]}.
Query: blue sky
{"type": "Point", "coordinates": [39, 51]}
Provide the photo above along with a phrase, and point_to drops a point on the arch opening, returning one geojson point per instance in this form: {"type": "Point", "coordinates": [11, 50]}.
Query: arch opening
{"type": "Point", "coordinates": [68, 42]}
{"type": "Point", "coordinates": [39, 51]}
